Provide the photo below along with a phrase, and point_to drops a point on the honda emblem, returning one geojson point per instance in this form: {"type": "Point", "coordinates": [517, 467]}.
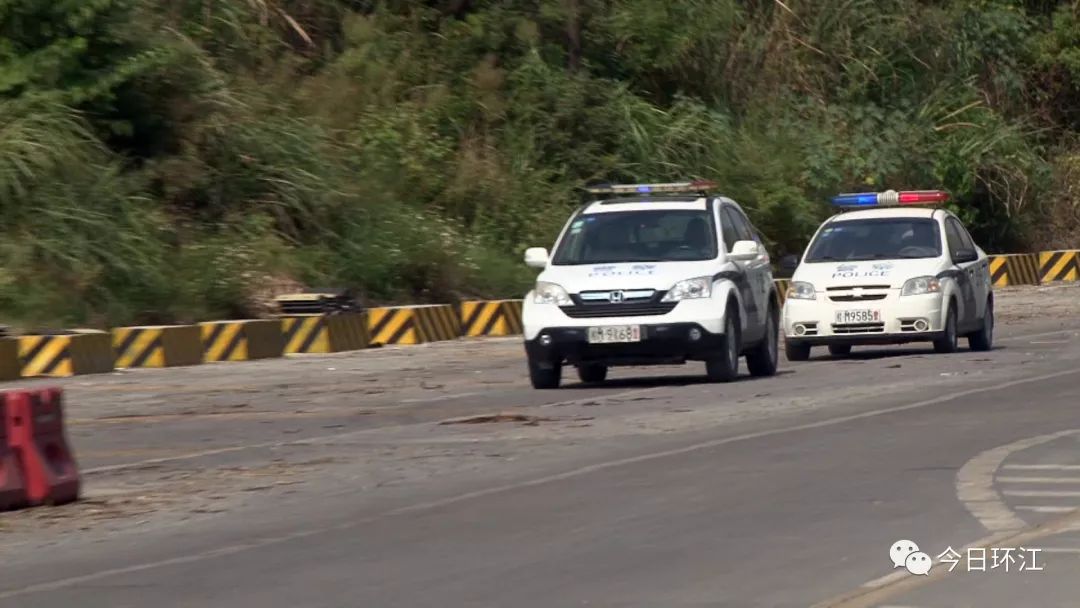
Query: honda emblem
{"type": "Point", "coordinates": [616, 297]}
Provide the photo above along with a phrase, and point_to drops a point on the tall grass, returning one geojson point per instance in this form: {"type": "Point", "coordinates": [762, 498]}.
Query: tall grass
{"type": "Point", "coordinates": [411, 151]}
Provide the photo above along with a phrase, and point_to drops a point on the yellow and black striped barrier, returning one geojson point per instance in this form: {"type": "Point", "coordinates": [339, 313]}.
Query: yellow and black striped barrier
{"type": "Point", "coordinates": [413, 324]}
{"type": "Point", "coordinates": [1014, 269]}
{"type": "Point", "coordinates": [245, 340]}
{"type": "Point", "coordinates": [157, 346]}
{"type": "Point", "coordinates": [1059, 266]}
{"type": "Point", "coordinates": [81, 351]}
{"type": "Point", "coordinates": [781, 290]}
{"type": "Point", "coordinates": [491, 318]}
{"type": "Point", "coordinates": [1022, 268]}
{"type": "Point", "coordinates": [325, 333]}
{"type": "Point", "coordinates": [999, 275]}
{"type": "Point", "coordinates": [10, 369]}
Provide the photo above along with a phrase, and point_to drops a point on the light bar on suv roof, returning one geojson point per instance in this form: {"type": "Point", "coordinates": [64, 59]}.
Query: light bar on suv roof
{"type": "Point", "coordinates": [891, 198]}
{"type": "Point", "coordinates": [674, 187]}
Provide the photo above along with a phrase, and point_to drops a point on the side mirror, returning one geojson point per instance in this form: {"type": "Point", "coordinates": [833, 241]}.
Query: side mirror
{"type": "Point", "coordinates": [536, 257]}
{"type": "Point", "coordinates": [964, 256]}
{"type": "Point", "coordinates": [744, 251]}
{"type": "Point", "coordinates": [789, 263]}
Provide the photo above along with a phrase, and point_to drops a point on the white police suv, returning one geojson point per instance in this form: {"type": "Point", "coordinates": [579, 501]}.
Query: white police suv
{"type": "Point", "coordinates": [652, 274]}
{"type": "Point", "coordinates": [887, 271]}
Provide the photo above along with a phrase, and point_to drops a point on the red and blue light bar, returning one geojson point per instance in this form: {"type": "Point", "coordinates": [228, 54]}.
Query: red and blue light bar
{"type": "Point", "coordinates": [891, 198]}
{"type": "Point", "coordinates": [670, 188]}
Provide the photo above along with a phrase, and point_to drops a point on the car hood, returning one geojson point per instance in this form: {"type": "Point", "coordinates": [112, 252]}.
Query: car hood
{"type": "Point", "coordinates": [874, 272]}
{"type": "Point", "coordinates": [634, 275]}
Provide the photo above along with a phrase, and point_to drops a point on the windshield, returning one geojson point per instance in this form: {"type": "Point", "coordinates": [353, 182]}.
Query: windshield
{"type": "Point", "coordinates": [638, 236]}
{"type": "Point", "coordinates": [876, 239]}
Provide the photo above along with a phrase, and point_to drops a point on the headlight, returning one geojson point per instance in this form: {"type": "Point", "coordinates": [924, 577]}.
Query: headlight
{"type": "Point", "coordinates": [921, 285]}
{"type": "Point", "coordinates": [800, 290]}
{"type": "Point", "coordinates": [700, 287]}
{"type": "Point", "coordinates": [550, 293]}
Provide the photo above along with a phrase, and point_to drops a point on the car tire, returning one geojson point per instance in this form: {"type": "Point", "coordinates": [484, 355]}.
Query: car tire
{"type": "Point", "coordinates": [545, 377]}
{"type": "Point", "coordinates": [795, 351]}
{"type": "Point", "coordinates": [983, 339]}
{"type": "Point", "coordinates": [949, 342]}
{"type": "Point", "coordinates": [591, 374]}
{"type": "Point", "coordinates": [723, 366]}
{"type": "Point", "coordinates": [839, 350]}
{"type": "Point", "coordinates": [762, 361]}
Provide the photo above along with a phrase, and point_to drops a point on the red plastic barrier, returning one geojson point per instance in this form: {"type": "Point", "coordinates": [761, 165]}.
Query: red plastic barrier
{"type": "Point", "coordinates": [12, 485]}
{"type": "Point", "coordinates": [35, 428]}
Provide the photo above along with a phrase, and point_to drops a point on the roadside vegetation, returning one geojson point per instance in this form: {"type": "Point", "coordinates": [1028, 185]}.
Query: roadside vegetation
{"type": "Point", "coordinates": [177, 161]}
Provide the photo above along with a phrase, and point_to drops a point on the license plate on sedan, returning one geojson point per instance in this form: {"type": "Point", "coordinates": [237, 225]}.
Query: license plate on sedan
{"type": "Point", "coordinates": [614, 334]}
{"type": "Point", "coordinates": [857, 316]}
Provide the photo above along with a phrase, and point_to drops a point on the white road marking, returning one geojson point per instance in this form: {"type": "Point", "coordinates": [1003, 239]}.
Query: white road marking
{"type": "Point", "coordinates": [1042, 467]}
{"type": "Point", "coordinates": [1045, 493]}
{"type": "Point", "coordinates": [571, 474]}
{"type": "Point", "coordinates": [1049, 341]}
{"type": "Point", "coordinates": [1038, 479]}
{"type": "Point", "coordinates": [1074, 550]}
{"type": "Point", "coordinates": [1044, 509]}
{"type": "Point", "coordinates": [975, 484]}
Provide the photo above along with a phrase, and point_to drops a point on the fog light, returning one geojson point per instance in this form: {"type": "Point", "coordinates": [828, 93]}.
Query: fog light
{"type": "Point", "coordinates": [545, 340]}
{"type": "Point", "coordinates": [800, 329]}
{"type": "Point", "coordinates": [921, 325]}
{"type": "Point", "coordinates": [695, 334]}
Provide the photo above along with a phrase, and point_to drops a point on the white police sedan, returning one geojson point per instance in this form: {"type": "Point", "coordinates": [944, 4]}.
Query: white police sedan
{"type": "Point", "coordinates": [891, 268]}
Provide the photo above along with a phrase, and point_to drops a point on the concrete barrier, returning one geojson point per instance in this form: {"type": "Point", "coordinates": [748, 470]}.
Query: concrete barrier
{"type": "Point", "coordinates": [1057, 266]}
{"type": "Point", "coordinates": [325, 333]}
{"type": "Point", "coordinates": [491, 318]}
{"type": "Point", "coordinates": [244, 340]}
{"type": "Point", "coordinates": [158, 346]}
{"type": "Point", "coordinates": [413, 324]}
{"type": "Point", "coordinates": [69, 353]}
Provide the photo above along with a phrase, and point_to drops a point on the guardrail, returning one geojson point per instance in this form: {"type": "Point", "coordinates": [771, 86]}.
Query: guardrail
{"type": "Point", "coordinates": [339, 328]}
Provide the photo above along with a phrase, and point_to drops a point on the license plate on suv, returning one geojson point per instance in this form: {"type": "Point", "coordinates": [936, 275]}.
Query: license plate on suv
{"type": "Point", "coordinates": [614, 334]}
{"type": "Point", "coordinates": [857, 316]}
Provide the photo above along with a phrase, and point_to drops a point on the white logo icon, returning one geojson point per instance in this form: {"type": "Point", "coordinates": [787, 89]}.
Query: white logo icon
{"type": "Point", "coordinates": [900, 551]}
{"type": "Point", "coordinates": [616, 297]}
{"type": "Point", "coordinates": [918, 563]}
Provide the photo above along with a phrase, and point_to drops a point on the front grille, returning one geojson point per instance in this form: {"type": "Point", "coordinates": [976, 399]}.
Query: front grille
{"type": "Point", "coordinates": [850, 287]}
{"type": "Point", "coordinates": [862, 298]}
{"type": "Point", "coordinates": [859, 328]}
{"type": "Point", "coordinates": [636, 309]}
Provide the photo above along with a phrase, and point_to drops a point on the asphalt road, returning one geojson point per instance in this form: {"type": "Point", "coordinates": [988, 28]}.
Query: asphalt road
{"type": "Point", "coordinates": [374, 479]}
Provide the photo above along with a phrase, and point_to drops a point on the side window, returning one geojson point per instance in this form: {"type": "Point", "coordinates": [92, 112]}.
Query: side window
{"type": "Point", "coordinates": [743, 228]}
{"type": "Point", "coordinates": [728, 228]}
{"type": "Point", "coordinates": [965, 236]}
{"type": "Point", "coordinates": [952, 235]}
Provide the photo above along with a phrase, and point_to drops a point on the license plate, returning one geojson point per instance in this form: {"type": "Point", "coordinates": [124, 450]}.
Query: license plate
{"type": "Point", "coordinates": [614, 334]}
{"type": "Point", "coordinates": [858, 316]}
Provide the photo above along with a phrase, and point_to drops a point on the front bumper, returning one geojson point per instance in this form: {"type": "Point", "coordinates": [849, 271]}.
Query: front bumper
{"type": "Point", "coordinates": [661, 343]}
{"type": "Point", "coordinates": [705, 312]}
{"type": "Point", "coordinates": [868, 339]}
{"type": "Point", "coordinates": [900, 320]}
